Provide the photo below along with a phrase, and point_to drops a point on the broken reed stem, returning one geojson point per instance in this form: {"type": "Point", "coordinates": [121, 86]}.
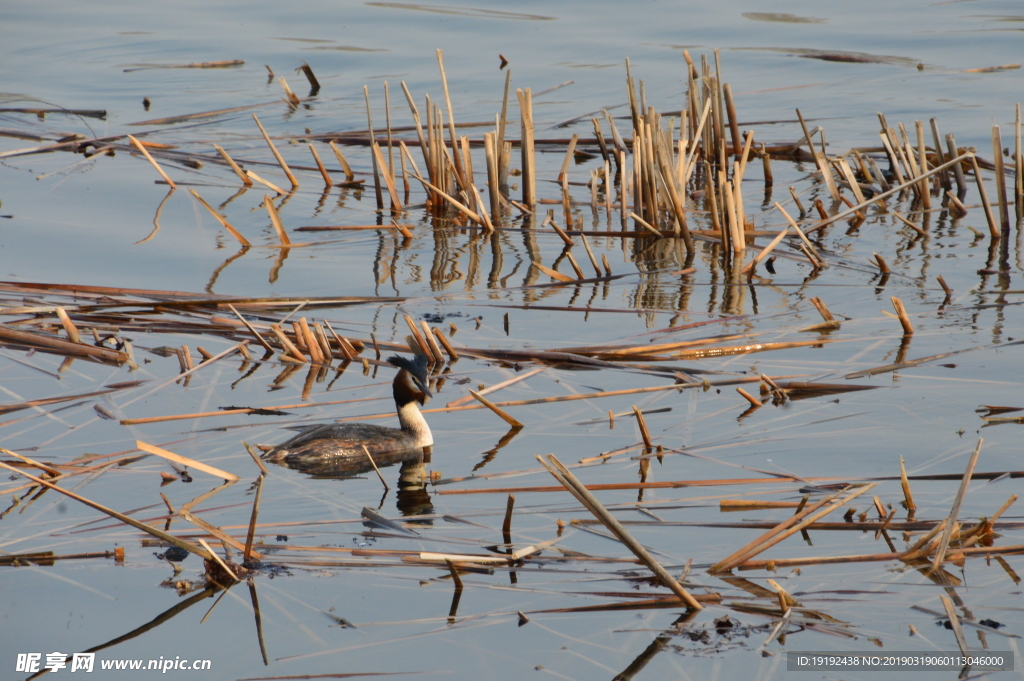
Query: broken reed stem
{"type": "Point", "coordinates": [997, 159]}
{"type": "Point", "coordinates": [940, 553]}
{"type": "Point", "coordinates": [452, 354]}
{"type": "Point", "coordinates": [69, 326]}
{"type": "Point", "coordinates": [565, 476]}
{"type": "Point", "coordinates": [789, 527]}
{"type": "Point", "coordinates": [247, 553]}
{"type": "Point", "coordinates": [234, 166]}
{"type": "Point", "coordinates": [944, 285]}
{"type": "Point", "coordinates": [497, 410]}
{"type": "Point", "coordinates": [217, 216]}
{"type": "Point", "coordinates": [752, 265]}
{"type": "Point", "coordinates": [908, 328]}
{"type": "Point", "coordinates": [506, 526]}
{"type": "Point", "coordinates": [825, 222]}
{"type": "Point", "coordinates": [320, 166]}
{"type": "Point", "coordinates": [907, 496]}
{"type": "Point", "coordinates": [749, 398]}
{"type": "Point", "coordinates": [993, 228]}
{"type": "Point", "coordinates": [145, 152]}
{"type": "Point", "coordinates": [180, 543]}
{"type": "Point", "coordinates": [349, 175]}
{"type": "Point", "coordinates": [954, 623]}
{"type": "Point", "coordinates": [377, 470]}
{"type": "Point", "coordinates": [643, 427]}
{"type": "Point", "coordinates": [186, 461]}
{"type": "Point", "coordinates": [435, 349]}
{"type": "Point", "coordinates": [275, 220]}
{"type": "Point", "coordinates": [277, 155]}
{"type": "Point", "coordinates": [262, 341]}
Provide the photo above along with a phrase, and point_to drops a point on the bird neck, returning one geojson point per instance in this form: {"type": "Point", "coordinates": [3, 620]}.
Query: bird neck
{"type": "Point", "coordinates": [412, 421]}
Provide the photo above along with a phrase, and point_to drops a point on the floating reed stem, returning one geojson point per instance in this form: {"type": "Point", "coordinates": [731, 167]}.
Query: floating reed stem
{"type": "Point", "coordinates": [142, 149]}
{"type": "Point", "coordinates": [277, 155]}
{"type": "Point", "coordinates": [170, 538]}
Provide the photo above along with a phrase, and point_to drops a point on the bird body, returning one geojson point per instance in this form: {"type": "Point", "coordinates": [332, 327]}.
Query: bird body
{"type": "Point", "coordinates": [339, 442]}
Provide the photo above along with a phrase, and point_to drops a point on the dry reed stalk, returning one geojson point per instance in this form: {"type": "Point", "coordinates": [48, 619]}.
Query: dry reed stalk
{"type": "Point", "coordinates": [460, 174]}
{"type": "Point", "coordinates": [114, 514]}
{"type": "Point", "coordinates": [993, 228]}
{"type": "Point", "coordinates": [420, 341]}
{"type": "Point", "coordinates": [320, 166]}
{"type": "Point", "coordinates": [954, 622]}
{"type": "Point", "coordinates": [389, 179]}
{"type": "Point", "coordinates": [529, 170]}
{"type": "Point", "coordinates": [752, 265]}
{"type": "Point", "coordinates": [819, 160]}
{"type": "Point", "coordinates": [377, 470]}
{"type": "Point", "coordinates": [142, 149]}
{"type": "Point", "coordinates": [219, 218]}
{"type": "Point", "coordinates": [497, 410]}
{"type": "Point", "coordinates": [958, 172]}
{"type": "Point", "coordinates": [325, 345]}
{"type": "Point", "coordinates": [69, 326]}
{"type": "Point", "coordinates": [266, 183]}
{"type": "Point", "coordinates": [289, 347]}
{"type": "Point", "coordinates": [751, 505]}
{"type": "Point", "coordinates": [734, 127]}
{"type": "Point", "coordinates": [214, 558]}
{"type": "Point", "coordinates": [822, 309]}
{"type": "Point", "coordinates": [372, 141]}
{"type": "Point", "coordinates": [463, 209]}
{"type": "Point", "coordinates": [883, 195]}
{"type": "Point", "coordinates": [1018, 169]}
{"type": "Point", "coordinates": [554, 274]}
{"type": "Point", "coordinates": [646, 225]}
{"type": "Point", "coordinates": [452, 354]}
{"type": "Point", "coordinates": [570, 150]}
{"type": "Point", "coordinates": [789, 527]}
{"type": "Point", "coordinates": [901, 312]}
{"type": "Point", "coordinates": [905, 483]}
{"type": "Point", "coordinates": [234, 166]}
{"type": "Point", "coordinates": [216, 532]}
{"type": "Point", "coordinates": [910, 224]}
{"type": "Point", "coordinates": [300, 338]}
{"type": "Point", "coordinates": [926, 200]}
{"type": "Point", "coordinates": [945, 287]}
{"type": "Point", "coordinates": [882, 266]}
{"type": "Point", "coordinates": [311, 343]}
{"type": "Point", "coordinates": [644, 434]}
{"type": "Point", "coordinates": [847, 172]}
{"type": "Point", "coordinates": [575, 265]}
{"type": "Point", "coordinates": [277, 154]}
{"type": "Point", "coordinates": [497, 386]}
{"type": "Point", "coordinates": [349, 175]}
{"type": "Point", "coordinates": [571, 483]}
{"type": "Point", "coordinates": [185, 461]}
{"type": "Point", "coordinates": [275, 220]}
{"type": "Point", "coordinates": [435, 349]}
{"type": "Point", "coordinates": [749, 398]}
{"type": "Point", "coordinates": [61, 345]}
{"type": "Point", "coordinates": [940, 553]}
{"type": "Point", "coordinates": [1000, 172]}
{"type": "Point", "coordinates": [248, 552]}
{"type": "Point", "coordinates": [350, 350]}
{"type": "Point", "coordinates": [252, 330]}
{"type": "Point", "coordinates": [493, 189]}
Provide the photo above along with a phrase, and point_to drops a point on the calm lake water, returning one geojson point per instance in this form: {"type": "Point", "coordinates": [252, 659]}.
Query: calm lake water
{"type": "Point", "coordinates": [107, 221]}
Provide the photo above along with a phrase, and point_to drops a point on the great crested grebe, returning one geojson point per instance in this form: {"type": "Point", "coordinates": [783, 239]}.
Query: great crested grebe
{"type": "Point", "coordinates": [337, 442]}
